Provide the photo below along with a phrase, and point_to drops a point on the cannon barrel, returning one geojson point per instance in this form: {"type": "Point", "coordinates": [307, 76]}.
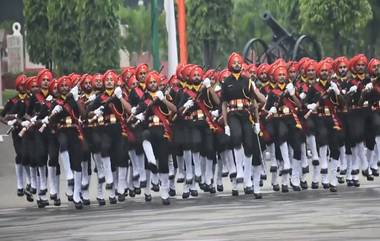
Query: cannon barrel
{"type": "Point", "coordinates": [278, 31]}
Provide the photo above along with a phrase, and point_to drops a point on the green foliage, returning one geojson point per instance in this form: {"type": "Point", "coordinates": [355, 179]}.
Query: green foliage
{"type": "Point", "coordinates": [336, 22]}
{"type": "Point", "coordinates": [64, 35]}
{"type": "Point", "coordinates": [99, 35]}
{"type": "Point", "coordinates": [138, 21]}
{"type": "Point", "coordinates": [36, 26]}
{"type": "Point", "coordinates": [209, 24]}
{"type": "Point", "coordinates": [7, 94]}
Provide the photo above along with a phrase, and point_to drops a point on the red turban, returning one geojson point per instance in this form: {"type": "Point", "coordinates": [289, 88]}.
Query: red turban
{"type": "Point", "coordinates": [44, 74]}
{"type": "Point", "coordinates": [233, 57]}
{"type": "Point", "coordinates": [152, 75]}
{"type": "Point", "coordinates": [21, 80]}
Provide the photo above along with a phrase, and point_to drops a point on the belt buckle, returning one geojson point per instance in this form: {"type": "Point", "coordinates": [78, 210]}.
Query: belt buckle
{"type": "Point", "coordinates": [239, 104]}
{"type": "Point", "coordinates": [365, 104]}
{"type": "Point", "coordinates": [156, 120]}
{"type": "Point", "coordinates": [101, 120]}
{"type": "Point", "coordinates": [112, 119]}
{"type": "Point", "coordinates": [285, 110]}
{"type": "Point", "coordinates": [68, 121]}
{"type": "Point", "coordinates": [200, 114]}
{"type": "Point", "coordinates": [327, 111]}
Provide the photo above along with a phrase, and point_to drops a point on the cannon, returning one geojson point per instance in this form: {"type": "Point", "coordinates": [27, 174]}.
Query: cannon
{"type": "Point", "coordinates": [284, 45]}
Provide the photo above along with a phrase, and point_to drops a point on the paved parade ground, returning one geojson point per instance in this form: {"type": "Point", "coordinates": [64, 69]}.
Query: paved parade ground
{"type": "Point", "coordinates": [349, 214]}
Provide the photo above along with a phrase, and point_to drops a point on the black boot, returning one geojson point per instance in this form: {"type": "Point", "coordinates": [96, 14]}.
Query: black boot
{"type": "Point", "coordinates": [356, 183]}
{"type": "Point", "coordinates": [172, 192]}
{"type": "Point", "coordinates": [57, 202]}
{"type": "Point", "coordinates": [219, 188]}
{"type": "Point", "coordinates": [314, 185]}
{"type": "Point", "coordinates": [101, 201]}
{"type": "Point", "coordinates": [165, 201]}
{"type": "Point", "coordinates": [325, 186]}
{"type": "Point", "coordinates": [257, 195]}
{"type": "Point", "coordinates": [112, 200]}
{"type": "Point", "coordinates": [340, 180]}
{"type": "Point", "coordinates": [304, 185]}
{"type": "Point", "coordinates": [248, 190]}
{"type": "Point", "coordinates": [20, 192]}
{"type": "Point", "coordinates": [276, 187]}
{"type": "Point", "coordinates": [148, 197]}
{"type": "Point", "coordinates": [212, 190]}
{"type": "Point", "coordinates": [185, 195]}
{"type": "Point", "coordinates": [333, 188]}
{"type": "Point", "coordinates": [284, 188]}
{"type": "Point", "coordinates": [78, 205]}
{"type": "Point", "coordinates": [194, 193]}
{"type": "Point", "coordinates": [375, 172]}
{"type": "Point", "coordinates": [235, 193]}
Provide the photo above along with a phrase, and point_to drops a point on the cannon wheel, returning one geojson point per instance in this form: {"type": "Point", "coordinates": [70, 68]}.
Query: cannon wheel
{"type": "Point", "coordinates": [255, 51]}
{"type": "Point", "coordinates": [306, 46]}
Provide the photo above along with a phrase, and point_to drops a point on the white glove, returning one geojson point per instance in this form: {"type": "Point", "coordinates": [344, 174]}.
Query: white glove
{"type": "Point", "coordinates": [302, 96]}
{"type": "Point", "coordinates": [335, 88]}
{"type": "Point", "coordinates": [92, 97]}
{"type": "Point", "coordinates": [140, 117]}
{"type": "Point", "coordinates": [257, 128]}
{"type": "Point", "coordinates": [207, 83]}
{"type": "Point", "coordinates": [215, 113]}
{"type": "Point", "coordinates": [160, 95]}
{"type": "Point", "coordinates": [227, 130]}
{"type": "Point", "coordinates": [133, 110]}
{"type": "Point", "coordinates": [353, 89]}
{"type": "Point", "coordinates": [290, 88]}
{"type": "Point", "coordinates": [33, 119]}
{"type": "Point", "coordinates": [344, 91]}
{"type": "Point", "coordinates": [369, 86]}
{"type": "Point", "coordinates": [273, 110]}
{"type": "Point", "coordinates": [188, 104]}
{"type": "Point", "coordinates": [75, 92]}
{"type": "Point", "coordinates": [45, 120]}
{"type": "Point", "coordinates": [56, 109]}
{"type": "Point", "coordinates": [99, 111]}
{"type": "Point", "coordinates": [11, 122]}
{"type": "Point", "coordinates": [49, 98]}
{"type": "Point", "coordinates": [25, 123]}
{"type": "Point", "coordinates": [118, 92]}
{"type": "Point", "coordinates": [311, 106]}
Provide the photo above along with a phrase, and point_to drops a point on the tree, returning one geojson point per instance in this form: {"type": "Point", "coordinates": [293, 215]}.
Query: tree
{"type": "Point", "coordinates": [64, 35]}
{"type": "Point", "coordinates": [209, 24]}
{"type": "Point", "coordinates": [335, 21]}
{"type": "Point", "coordinates": [99, 35]}
{"type": "Point", "coordinates": [138, 21]}
{"type": "Point", "coordinates": [37, 36]}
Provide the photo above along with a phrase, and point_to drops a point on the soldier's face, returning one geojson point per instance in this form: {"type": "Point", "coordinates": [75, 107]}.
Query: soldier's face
{"type": "Point", "coordinates": [252, 74]}
{"type": "Point", "coordinates": [141, 75]}
{"type": "Point", "coordinates": [98, 83]}
{"type": "Point", "coordinates": [360, 67]}
{"type": "Point", "coordinates": [64, 88]}
{"type": "Point", "coordinates": [45, 83]}
{"type": "Point", "coordinates": [109, 84]}
{"type": "Point", "coordinates": [281, 77]}
{"type": "Point", "coordinates": [87, 87]}
{"type": "Point", "coordinates": [196, 78]}
{"type": "Point", "coordinates": [324, 74]}
{"type": "Point", "coordinates": [310, 73]}
{"type": "Point", "coordinates": [342, 69]}
{"type": "Point", "coordinates": [263, 77]}
{"type": "Point", "coordinates": [55, 91]}
{"type": "Point", "coordinates": [292, 74]}
{"type": "Point", "coordinates": [236, 66]}
{"type": "Point", "coordinates": [376, 70]}
{"type": "Point", "coordinates": [152, 86]}
{"type": "Point", "coordinates": [21, 89]}
{"type": "Point", "coordinates": [34, 88]}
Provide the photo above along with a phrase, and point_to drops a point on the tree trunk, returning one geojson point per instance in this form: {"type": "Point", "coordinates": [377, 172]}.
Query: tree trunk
{"type": "Point", "coordinates": [209, 50]}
